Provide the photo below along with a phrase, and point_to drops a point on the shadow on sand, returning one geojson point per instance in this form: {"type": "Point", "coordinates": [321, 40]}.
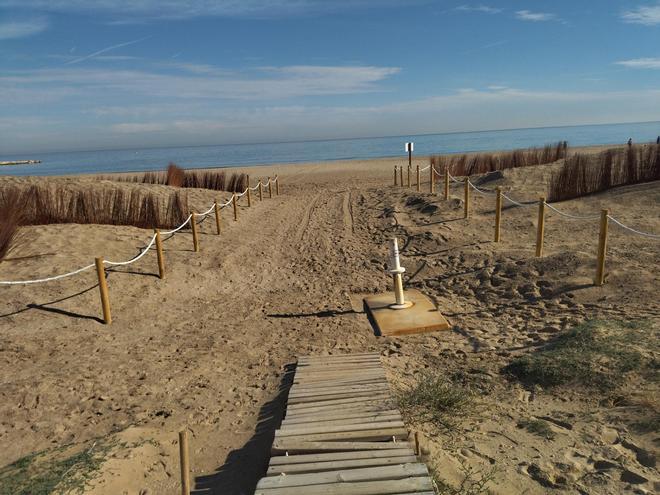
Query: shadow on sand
{"type": "Point", "coordinates": [243, 467]}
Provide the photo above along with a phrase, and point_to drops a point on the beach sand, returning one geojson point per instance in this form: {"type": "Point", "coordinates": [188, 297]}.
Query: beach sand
{"type": "Point", "coordinates": [206, 346]}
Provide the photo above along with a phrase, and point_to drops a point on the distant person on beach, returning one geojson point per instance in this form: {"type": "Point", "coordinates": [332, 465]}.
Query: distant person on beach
{"type": "Point", "coordinates": [629, 141]}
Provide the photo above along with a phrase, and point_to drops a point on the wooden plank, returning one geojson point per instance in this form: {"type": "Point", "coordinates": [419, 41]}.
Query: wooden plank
{"type": "Point", "coordinates": [319, 467]}
{"type": "Point", "coordinates": [338, 456]}
{"type": "Point", "coordinates": [349, 377]}
{"type": "Point", "coordinates": [337, 389]}
{"type": "Point", "coordinates": [342, 419]}
{"type": "Point", "coordinates": [388, 487]}
{"type": "Point", "coordinates": [339, 381]}
{"type": "Point", "coordinates": [359, 354]}
{"type": "Point", "coordinates": [321, 427]}
{"type": "Point", "coordinates": [372, 435]}
{"type": "Point", "coordinates": [319, 413]}
{"type": "Point", "coordinates": [396, 472]}
{"type": "Point", "coordinates": [292, 408]}
{"type": "Point", "coordinates": [294, 446]}
{"type": "Point", "coordinates": [364, 394]}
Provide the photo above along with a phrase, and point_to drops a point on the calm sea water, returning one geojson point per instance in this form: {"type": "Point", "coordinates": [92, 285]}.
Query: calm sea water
{"type": "Point", "coordinates": [106, 161]}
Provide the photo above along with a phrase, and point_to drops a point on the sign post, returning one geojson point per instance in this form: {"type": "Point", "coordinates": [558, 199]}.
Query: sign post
{"type": "Point", "coordinates": [409, 149]}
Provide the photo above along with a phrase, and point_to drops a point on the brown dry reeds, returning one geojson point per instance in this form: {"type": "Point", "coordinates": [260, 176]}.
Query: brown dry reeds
{"type": "Point", "coordinates": [43, 205]}
{"type": "Point", "coordinates": [10, 219]}
{"type": "Point", "coordinates": [587, 174]}
{"type": "Point", "coordinates": [465, 165]}
{"type": "Point", "coordinates": [178, 177]}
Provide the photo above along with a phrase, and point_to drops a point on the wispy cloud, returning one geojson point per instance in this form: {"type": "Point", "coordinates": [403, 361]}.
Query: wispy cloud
{"type": "Point", "coordinates": [22, 28]}
{"type": "Point", "coordinates": [485, 9]}
{"type": "Point", "coordinates": [257, 84]}
{"type": "Point", "coordinates": [649, 15]}
{"type": "Point", "coordinates": [640, 63]}
{"type": "Point", "coordinates": [103, 50]}
{"type": "Point", "coordinates": [528, 15]}
{"type": "Point", "coordinates": [130, 11]}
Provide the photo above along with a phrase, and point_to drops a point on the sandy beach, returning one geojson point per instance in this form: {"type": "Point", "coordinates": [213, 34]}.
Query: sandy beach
{"type": "Point", "coordinates": [206, 346]}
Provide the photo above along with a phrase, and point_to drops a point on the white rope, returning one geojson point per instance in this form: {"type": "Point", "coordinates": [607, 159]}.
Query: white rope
{"type": "Point", "coordinates": [568, 215]}
{"type": "Point", "coordinates": [638, 232]}
{"type": "Point", "coordinates": [242, 194]}
{"type": "Point", "coordinates": [425, 168]}
{"type": "Point", "coordinates": [480, 191]}
{"type": "Point", "coordinates": [255, 187]}
{"type": "Point", "coordinates": [133, 260]}
{"type": "Point", "coordinates": [179, 227]}
{"type": "Point", "coordinates": [227, 203]}
{"type": "Point", "coordinates": [454, 178]}
{"type": "Point", "coordinates": [207, 211]}
{"type": "Point", "coordinates": [514, 201]}
{"type": "Point", "coordinates": [40, 280]}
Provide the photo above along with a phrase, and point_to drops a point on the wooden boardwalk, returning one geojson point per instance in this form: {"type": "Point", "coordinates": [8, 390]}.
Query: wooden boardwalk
{"type": "Point", "coordinates": [342, 434]}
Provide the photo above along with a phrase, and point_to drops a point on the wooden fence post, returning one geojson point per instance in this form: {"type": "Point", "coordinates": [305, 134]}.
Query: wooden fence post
{"type": "Point", "coordinates": [408, 181]}
{"type": "Point", "coordinates": [184, 462]}
{"type": "Point", "coordinates": [432, 174]}
{"type": "Point", "coordinates": [261, 190]}
{"type": "Point", "coordinates": [248, 192]}
{"type": "Point", "coordinates": [395, 181]}
{"type": "Point", "coordinates": [159, 255]}
{"type": "Point", "coordinates": [418, 451]}
{"type": "Point", "coordinates": [233, 200]}
{"type": "Point", "coordinates": [418, 178]}
{"type": "Point", "coordinates": [277, 185]}
{"type": "Point", "coordinates": [270, 189]}
{"type": "Point", "coordinates": [466, 198]}
{"type": "Point", "coordinates": [217, 217]}
{"type": "Point", "coordinates": [193, 226]}
{"type": "Point", "coordinates": [498, 213]}
{"type": "Point", "coordinates": [602, 248]}
{"type": "Point", "coordinates": [446, 183]}
{"type": "Point", "coordinates": [540, 228]}
{"type": "Point", "coordinates": [103, 288]}
{"type": "Point", "coordinates": [401, 175]}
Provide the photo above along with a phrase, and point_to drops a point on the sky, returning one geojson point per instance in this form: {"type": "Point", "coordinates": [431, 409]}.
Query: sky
{"type": "Point", "coordinates": [106, 74]}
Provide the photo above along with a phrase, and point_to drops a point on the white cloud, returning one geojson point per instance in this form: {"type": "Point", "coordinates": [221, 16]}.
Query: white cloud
{"type": "Point", "coordinates": [640, 63]}
{"type": "Point", "coordinates": [485, 9]}
{"type": "Point", "coordinates": [128, 10]}
{"type": "Point", "coordinates": [649, 15]}
{"type": "Point", "coordinates": [528, 15]}
{"type": "Point", "coordinates": [263, 84]}
{"type": "Point", "coordinates": [22, 28]}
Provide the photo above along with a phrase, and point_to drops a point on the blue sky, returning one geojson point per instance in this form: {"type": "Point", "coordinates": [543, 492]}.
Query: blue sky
{"type": "Point", "coordinates": [92, 74]}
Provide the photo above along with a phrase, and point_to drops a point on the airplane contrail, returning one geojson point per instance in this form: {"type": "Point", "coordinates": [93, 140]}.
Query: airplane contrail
{"type": "Point", "coordinates": [103, 50]}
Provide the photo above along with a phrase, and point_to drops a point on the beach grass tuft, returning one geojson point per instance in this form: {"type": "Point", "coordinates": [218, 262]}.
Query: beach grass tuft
{"type": "Point", "coordinates": [10, 219]}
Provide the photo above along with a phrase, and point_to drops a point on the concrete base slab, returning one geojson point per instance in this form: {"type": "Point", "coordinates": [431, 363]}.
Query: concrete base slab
{"type": "Point", "coordinates": [421, 317]}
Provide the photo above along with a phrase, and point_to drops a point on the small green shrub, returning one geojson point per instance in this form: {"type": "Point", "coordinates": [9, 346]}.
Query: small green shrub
{"type": "Point", "coordinates": [435, 399]}
{"type": "Point", "coordinates": [474, 482]}
{"type": "Point", "coordinates": [595, 355]}
{"type": "Point", "coordinates": [537, 427]}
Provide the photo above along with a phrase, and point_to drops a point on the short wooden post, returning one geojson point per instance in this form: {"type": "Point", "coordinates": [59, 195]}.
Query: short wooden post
{"type": "Point", "coordinates": [395, 181]}
{"type": "Point", "coordinates": [446, 183]}
{"type": "Point", "coordinates": [270, 189]}
{"type": "Point", "coordinates": [602, 248]}
{"type": "Point", "coordinates": [233, 201]}
{"type": "Point", "coordinates": [184, 462]}
{"type": "Point", "coordinates": [540, 228]}
{"type": "Point", "coordinates": [498, 213]}
{"type": "Point", "coordinates": [418, 451]}
{"type": "Point", "coordinates": [217, 217]}
{"type": "Point", "coordinates": [466, 198]}
{"type": "Point", "coordinates": [103, 288]}
{"type": "Point", "coordinates": [432, 177]}
{"type": "Point", "coordinates": [193, 226]}
{"type": "Point", "coordinates": [277, 186]}
{"type": "Point", "coordinates": [418, 179]}
{"type": "Point", "coordinates": [408, 181]}
{"type": "Point", "coordinates": [248, 192]}
{"type": "Point", "coordinates": [159, 255]}
{"type": "Point", "coordinates": [261, 190]}
{"type": "Point", "coordinates": [401, 175]}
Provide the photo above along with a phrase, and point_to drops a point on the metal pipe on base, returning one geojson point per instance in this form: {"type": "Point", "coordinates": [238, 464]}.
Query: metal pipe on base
{"type": "Point", "coordinates": [396, 270]}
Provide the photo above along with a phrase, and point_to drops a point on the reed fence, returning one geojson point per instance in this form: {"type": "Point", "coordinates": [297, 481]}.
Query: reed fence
{"type": "Point", "coordinates": [101, 264]}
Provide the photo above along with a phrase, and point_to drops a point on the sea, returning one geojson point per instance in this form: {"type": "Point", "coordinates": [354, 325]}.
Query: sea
{"type": "Point", "coordinates": [226, 155]}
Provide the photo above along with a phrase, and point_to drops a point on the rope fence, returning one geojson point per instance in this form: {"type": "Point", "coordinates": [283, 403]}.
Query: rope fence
{"type": "Point", "coordinates": [101, 263]}
{"type": "Point", "coordinates": [604, 215]}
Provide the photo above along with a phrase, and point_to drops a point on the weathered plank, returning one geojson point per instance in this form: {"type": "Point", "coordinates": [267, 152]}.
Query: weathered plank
{"type": "Point", "coordinates": [297, 446]}
{"type": "Point", "coordinates": [338, 456]}
{"type": "Point", "coordinates": [388, 487]}
{"type": "Point", "coordinates": [321, 427]}
{"type": "Point", "coordinates": [344, 419]}
{"type": "Point", "coordinates": [318, 467]}
{"type": "Point", "coordinates": [396, 472]}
